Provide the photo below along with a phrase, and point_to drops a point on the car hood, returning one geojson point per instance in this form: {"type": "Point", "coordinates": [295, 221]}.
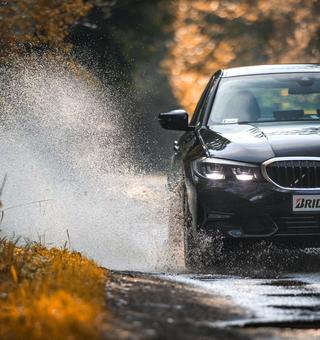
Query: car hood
{"type": "Point", "coordinates": [257, 142]}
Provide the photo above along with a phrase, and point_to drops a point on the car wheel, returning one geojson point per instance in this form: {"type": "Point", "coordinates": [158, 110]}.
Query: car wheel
{"type": "Point", "coordinates": [187, 248]}
{"type": "Point", "coordinates": [197, 245]}
{"type": "Point", "coordinates": [191, 258]}
{"type": "Point", "coordinates": [182, 251]}
{"type": "Point", "coordinates": [201, 250]}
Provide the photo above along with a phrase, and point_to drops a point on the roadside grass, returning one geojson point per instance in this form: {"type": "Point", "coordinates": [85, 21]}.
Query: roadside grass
{"type": "Point", "coordinates": [50, 294]}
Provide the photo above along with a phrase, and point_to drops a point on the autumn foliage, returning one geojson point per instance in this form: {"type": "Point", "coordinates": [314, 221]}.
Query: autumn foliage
{"type": "Point", "coordinates": [40, 23]}
{"type": "Point", "coordinates": [209, 35]}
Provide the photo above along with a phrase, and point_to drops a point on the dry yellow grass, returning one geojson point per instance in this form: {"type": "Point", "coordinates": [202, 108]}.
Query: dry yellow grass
{"type": "Point", "coordinates": [50, 294]}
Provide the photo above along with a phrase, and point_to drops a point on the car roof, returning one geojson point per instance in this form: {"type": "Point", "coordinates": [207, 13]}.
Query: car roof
{"type": "Point", "coordinates": [269, 69]}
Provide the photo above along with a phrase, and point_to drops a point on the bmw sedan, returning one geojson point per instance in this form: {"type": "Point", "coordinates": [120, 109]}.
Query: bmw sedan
{"type": "Point", "coordinates": [247, 164]}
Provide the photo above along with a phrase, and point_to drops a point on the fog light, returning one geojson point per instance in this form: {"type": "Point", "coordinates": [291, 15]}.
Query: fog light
{"type": "Point", "coordinates": [235, 233]}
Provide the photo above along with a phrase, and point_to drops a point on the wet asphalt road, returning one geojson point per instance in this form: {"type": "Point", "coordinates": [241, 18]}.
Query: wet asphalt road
{"type": "Point", "coordinates": [212, 306]}
{"type": "Point", "coordinates": [288, 301]}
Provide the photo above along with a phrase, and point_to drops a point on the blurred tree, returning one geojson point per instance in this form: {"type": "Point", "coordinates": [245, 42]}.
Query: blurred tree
{"type": "Point", "coordinates": [209, 35]}
{"type": "Point", "coordinates": [122, 35]}
{"type": "Point", "coordinates": [37, 24]}
{"type": "Point", "coordinates": [124, 41]}
{"type": "Point", "coordinates": [127, 39]}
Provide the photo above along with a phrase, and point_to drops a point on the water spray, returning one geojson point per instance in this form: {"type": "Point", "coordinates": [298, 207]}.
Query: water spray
{"type": "Point", "coordinates": [63, 149]}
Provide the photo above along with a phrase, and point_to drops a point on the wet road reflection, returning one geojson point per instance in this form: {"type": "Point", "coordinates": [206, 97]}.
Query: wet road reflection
{"type": "Point", "coordinates": [288, 301]}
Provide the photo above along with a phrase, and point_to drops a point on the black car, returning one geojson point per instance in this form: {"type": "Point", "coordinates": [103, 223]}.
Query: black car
{"type": "Point", "coordinates": [248, 163]}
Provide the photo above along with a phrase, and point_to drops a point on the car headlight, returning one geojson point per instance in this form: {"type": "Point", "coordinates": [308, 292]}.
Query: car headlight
{"type": "Point", "coordinates": [220, 169]}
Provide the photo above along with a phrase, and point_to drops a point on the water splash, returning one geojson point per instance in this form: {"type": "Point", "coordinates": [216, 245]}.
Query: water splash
{"type": "Point", "coordinates": [69, 169]}
{"type": "Point", "coordinates": [61, 143]}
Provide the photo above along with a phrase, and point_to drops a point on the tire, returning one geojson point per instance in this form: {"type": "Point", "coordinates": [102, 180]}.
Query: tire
{"type": "Point", "coordinates": [197, 245]}
{"type": "Point", "coordinates": [187, 247]}
{"type": "Point", "coordinates": [192, 261]}
{"type": "Point", "coordinates": [181, 245]}
{"type": "Point", "coordinates": [201, 250]}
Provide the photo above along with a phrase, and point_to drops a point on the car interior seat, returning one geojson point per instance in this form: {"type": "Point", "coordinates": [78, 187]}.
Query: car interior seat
{"type": "Point", "coordinates": [244, 106]}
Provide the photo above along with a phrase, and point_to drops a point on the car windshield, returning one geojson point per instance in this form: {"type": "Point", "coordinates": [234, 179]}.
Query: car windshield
{"type": "Point", "coordinates": [264, 98]}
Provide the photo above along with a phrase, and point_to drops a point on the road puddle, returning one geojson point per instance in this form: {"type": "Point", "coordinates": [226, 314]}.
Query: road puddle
{"type": "Point", "coordinates": [282, 302]}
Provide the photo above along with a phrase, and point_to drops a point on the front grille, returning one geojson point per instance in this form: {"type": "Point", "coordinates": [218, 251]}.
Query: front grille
{"type": "Point", "coordinates": [294, 173]}
{"type": "Point", "coordinates": [298, 225]}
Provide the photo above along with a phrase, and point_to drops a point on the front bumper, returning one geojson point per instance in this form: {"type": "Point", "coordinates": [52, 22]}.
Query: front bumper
{"type": "Point", "coordinates": [251, 210]}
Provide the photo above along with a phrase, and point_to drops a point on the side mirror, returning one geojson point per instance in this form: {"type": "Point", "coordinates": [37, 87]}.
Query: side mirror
{"type": "Point", "coordinates": [175, 120]}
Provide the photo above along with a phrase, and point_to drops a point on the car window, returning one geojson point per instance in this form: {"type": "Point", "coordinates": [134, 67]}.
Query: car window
{"type": "Point", "coordinates": [272, 97]}
{"type": "Point", "coordinates": [199, 111]}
